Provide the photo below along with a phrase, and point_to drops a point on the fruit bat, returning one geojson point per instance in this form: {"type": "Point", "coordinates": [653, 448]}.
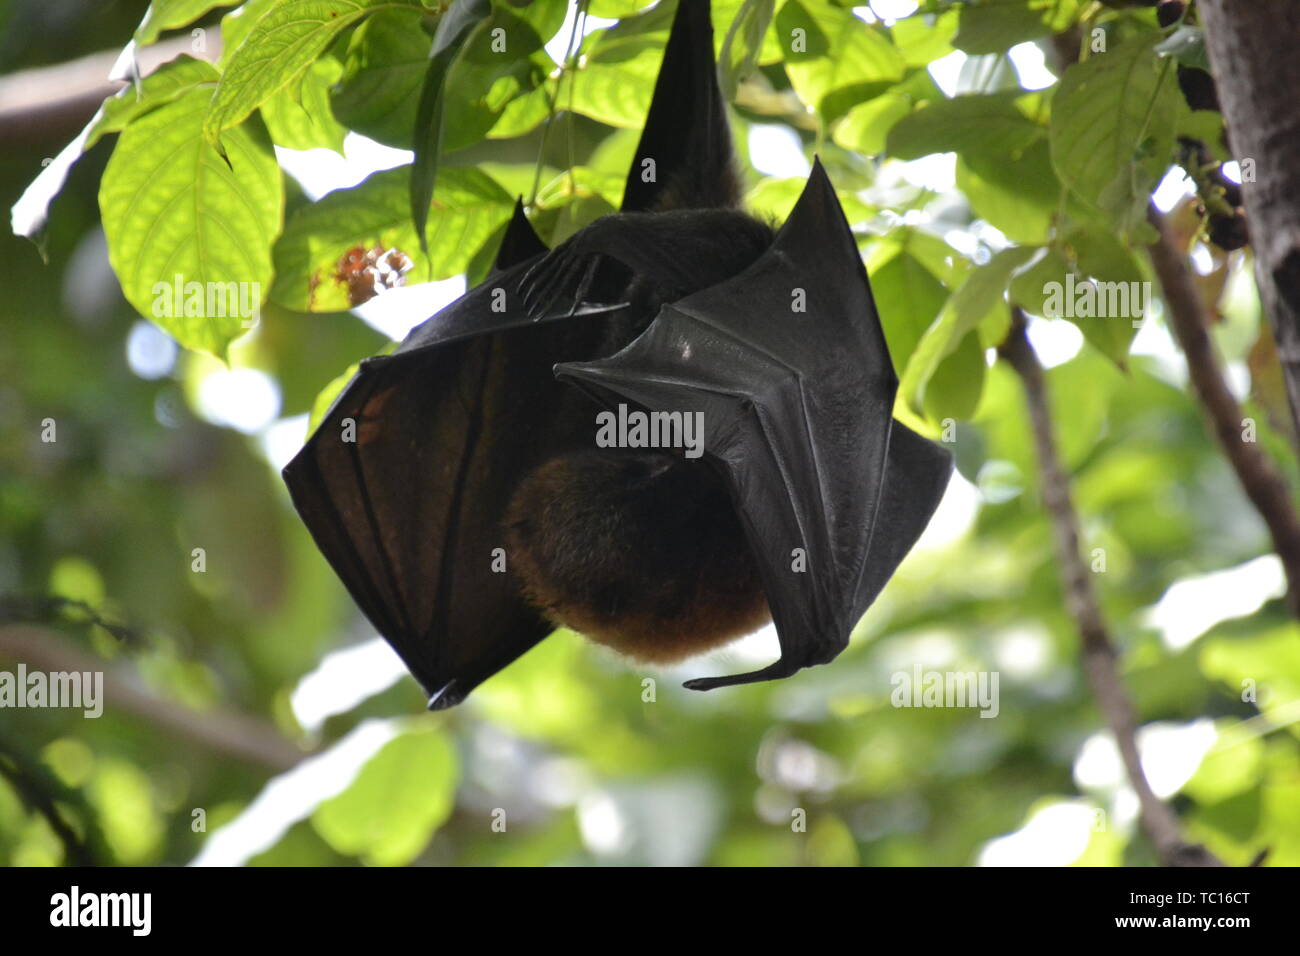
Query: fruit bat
{"type": "Point", "coordinates": [460, 486]}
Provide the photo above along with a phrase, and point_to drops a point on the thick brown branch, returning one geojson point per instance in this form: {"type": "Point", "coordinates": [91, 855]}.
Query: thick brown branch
{"type": "Point", "coordinates": [1099, 655]}
{"type": "Point", "coordinates": [1259, 476]}
{"type": "Point", "coordinates": [231, 735]}
{"type": "Point", "coordinates": [1252, 49]}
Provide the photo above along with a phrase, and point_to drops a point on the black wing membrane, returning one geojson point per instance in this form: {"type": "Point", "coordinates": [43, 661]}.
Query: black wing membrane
{"type": "Point", "coordinates": [408, 512]}
{"type": "Point", "coordinates": [404, 482]}
{"type": "Point", "coordinates": [797, 406]}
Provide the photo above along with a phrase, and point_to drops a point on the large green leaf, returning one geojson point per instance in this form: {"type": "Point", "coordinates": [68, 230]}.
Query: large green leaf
{"type": "Point", "coordinates": [172, 207]}
{"type": "Point", "coordinates": [1112, 129]}
{"type": "Point", "coordinates": [617, 74]}
{"type": "Point", "coordinates": [383, 70]}
{"type": "Point", "coordinates": [994, 26]}
{"type": "Point", "coordinates": [501, 60]}
{"type": "Point", "coordinates": [376, 212]}
{"type": "Point", "coordinates": [1016, 191]}
{"type": "Point", "coordinates": [981, 124]}
{"type": "Point", "coordinates": [908, 297]}
{"type": "Point", "coordinates": [397, 802]}
{"type": "Point", "coordinates": [31, 212]}
{"type": "Point", "coordinates": [833, 58]}
{"type": "Point", "coordinates": [922, 39]}
{"type": "Point", "coordinates": [279, 49]}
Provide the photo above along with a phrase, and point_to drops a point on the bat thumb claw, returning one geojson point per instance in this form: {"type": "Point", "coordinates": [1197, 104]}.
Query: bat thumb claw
{"type": "Point", "coordinates": [447, 696]}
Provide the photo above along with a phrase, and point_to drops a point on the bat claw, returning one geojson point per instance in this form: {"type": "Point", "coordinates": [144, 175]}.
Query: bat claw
{"type": "Point", "coordinates": [446, 696]}
{"type": "Point", "coordinates": [773, 671]}
{"type": "Point", "coordinates": [564, 275]}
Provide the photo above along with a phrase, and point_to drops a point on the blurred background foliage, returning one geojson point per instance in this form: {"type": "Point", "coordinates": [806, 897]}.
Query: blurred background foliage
{"type": "Point", "coordinates": [572, 756]}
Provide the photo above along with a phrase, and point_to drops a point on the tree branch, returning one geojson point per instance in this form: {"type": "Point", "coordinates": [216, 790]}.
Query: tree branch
{"type": "Point", "coordinates": [1257, 74]}
{"type": "Point", "coordinates": [231, 735]}
{"type": "Point", "coordinates": [1259, 476]}
{"type": "Point", "coordinates": [1099, 655]}
{"type": "Point", "coordinates": [51, 103]}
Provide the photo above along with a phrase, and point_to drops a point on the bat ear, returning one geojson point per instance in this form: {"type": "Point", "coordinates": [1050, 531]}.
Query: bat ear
{"type": "Point", "coordinates": [520, 241]}
{"type": "Point", "coordinates": [686, 143]}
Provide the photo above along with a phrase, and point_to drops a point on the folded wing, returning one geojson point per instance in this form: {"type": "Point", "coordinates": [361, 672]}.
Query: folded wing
{"type": "Point", "coordinates": [789, 366]}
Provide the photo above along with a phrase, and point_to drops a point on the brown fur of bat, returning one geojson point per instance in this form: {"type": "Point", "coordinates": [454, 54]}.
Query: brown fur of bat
{"type": "Point", "coordinates": [640, 551]}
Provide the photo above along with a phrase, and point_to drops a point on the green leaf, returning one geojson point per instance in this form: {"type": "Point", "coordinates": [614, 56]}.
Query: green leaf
{"type": "Point", "coordinates": [305, 120]}
{"type": "Point", "coordinates": [1101, 256]}
{"type": "Point", "coordinates": [1032, 287]}
{"type": "Point", "coordinates": [1268, 661]}
{"type": "Point", "coordinates": [1235, 764]}
{"type": "Point", "coordinates": [1112, 129]}
{"type": "Point", "coordinates": [1016, 191]}
{"type": "Point", "coordinates": [922, 39]}
{"type": "Point", "coordinates": [994, 26]}
{"type": "Point", "coordinates": [617, 9]}
{"type": "Point", "coordinates": [167, 83]}
{"type": "Point", "coordinates": [172, 206]}
{"type": "Point", "coordinates": [908, 297]}
{"type": "Point", "coordinates": [469, 208]}
{"type": "Point", "coordinates": [743, 44]}
{"type": "Point", "coordinates": [491, 71]}
{"type": "Point", "coordinates": [1062, 281]}
{"type": "Point", "coordinates": [617, 76]}
{"type": "Point", "coordinates": [833, 58]}
{"type": "Point", "coordinates": [383, 70]}
{"type": "Point", "coordinates": [1187, 46]}
{"type": "Point", "coordinates": [165, 15]}
{"type": "Point", "coordinates": [30, 213]}
{"type": "Point", "coordinates": [458, 22]}
{"type": "Point", "coordinates": [955, 388]}
{"type": "Point", "coordinates": [280, 48]}
{"type": "Point", "coordinates": [982, 124]}
{"type": "Point", "coordinates": [981, 293]}
{"type": "Point", "coordinates": [865, 127]}
{"type": "Point", "coordinates": [238, 24]}
{"type": "Point", "coordinates": [545, 16]}
{"type": "Point", "coordinates": [397, 802]}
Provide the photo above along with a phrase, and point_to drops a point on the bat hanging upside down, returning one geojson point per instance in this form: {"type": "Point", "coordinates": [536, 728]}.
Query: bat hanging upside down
{"type": "Point", "coordinates": [458, 489]}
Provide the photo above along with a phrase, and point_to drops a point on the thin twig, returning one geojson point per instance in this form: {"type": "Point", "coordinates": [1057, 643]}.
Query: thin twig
{"type": "Point", "coordinates": [1259, 476]}
{"type": "Point", "coordinates": [33, 785]}
{"type": "Point", "coordinates": [1099, 655]}
{"type": "Point", "coordinates": [233, 735]}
